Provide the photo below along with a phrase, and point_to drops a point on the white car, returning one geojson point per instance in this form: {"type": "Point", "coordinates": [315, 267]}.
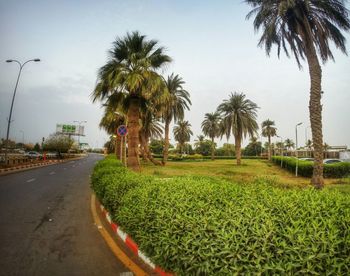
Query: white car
{"type": "Point", "coordinates": [331, 161]}
{"type": "Point", "coordinates": [32, 154]}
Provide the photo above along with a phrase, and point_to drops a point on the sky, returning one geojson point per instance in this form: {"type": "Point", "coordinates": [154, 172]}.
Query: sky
{"type": "Point", "coordinates": [214, 49]}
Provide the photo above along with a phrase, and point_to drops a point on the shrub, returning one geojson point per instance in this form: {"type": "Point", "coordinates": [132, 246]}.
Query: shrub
{"type": "Point", "coordinates": [208, 226]}
{"type": "Point", "coordinates": [305, 168]}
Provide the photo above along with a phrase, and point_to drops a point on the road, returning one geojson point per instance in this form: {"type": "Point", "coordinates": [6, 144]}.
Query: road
{"type": "Point", "coordinates": [46, 227]}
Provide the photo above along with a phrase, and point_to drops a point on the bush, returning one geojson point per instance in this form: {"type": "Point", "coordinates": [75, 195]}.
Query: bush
{"type": "Point", "coordinates": [305, 168]}
{"type": "Point", "coordinates": [208, 226]}
{"type": "Point", "coordinates": [178, 157]}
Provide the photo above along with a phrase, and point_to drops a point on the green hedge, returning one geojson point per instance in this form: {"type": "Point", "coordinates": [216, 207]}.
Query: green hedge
{"type": "Point", "coordinates": [305, 168]}
{"type": "Point", "coordinates": [207, 226]}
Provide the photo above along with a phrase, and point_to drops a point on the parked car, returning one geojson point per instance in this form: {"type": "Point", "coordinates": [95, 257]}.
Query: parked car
{"type": "Point", "coordinates": [32, 154]}
{"type": "Point", "coordinates": [306, 159]}
{"type": "Point", "coordinates": [331, 161]}
{"type": "Point", "coordinates": [52, 154]}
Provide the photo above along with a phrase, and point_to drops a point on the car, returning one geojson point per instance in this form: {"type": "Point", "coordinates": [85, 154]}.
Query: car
{"type": "Point", "coordinates": [32, 154]}
{"type": "Point", "coordinates": [331, 161]}
{"type": "Point", "coordinates": [306, 159]}
{"type": "Point", "coordinates": [52, 154]}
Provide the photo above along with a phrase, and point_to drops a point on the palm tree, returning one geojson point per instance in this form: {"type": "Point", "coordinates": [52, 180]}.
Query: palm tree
{"type": "Point", "coordinates": [174, 109]}
{"type": "Point", "coordinates": [110, 121]}
{"type": "Point", "coordinates": [211, 128]}
{"type": "Point", "coordinates": [289, 144]}
{"type": "Point", "coordinates": [307, 26]}
{"type": "Point", "coordinates": [132, 71]}
{"type": "Point", "coordinates": [268, 130]}
{"type": "Point", "coordinates": [182, 133]}
{"type": "Point", "coordinates": [200, 139]}
{"type": "Point", "coordinates": [239, 118]}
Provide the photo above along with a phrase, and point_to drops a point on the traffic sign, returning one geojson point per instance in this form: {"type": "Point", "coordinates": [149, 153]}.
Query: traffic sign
{"type": "Point", "coordinates": [122, 130]}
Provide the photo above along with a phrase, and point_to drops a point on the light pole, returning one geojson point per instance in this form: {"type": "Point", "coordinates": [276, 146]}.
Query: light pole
{"type": "Point", "coordinates": [13, 99]}
{"type": "Point", "coordinates": [296, 148]}
{"type": "Point", "coordinates": [79, 124]}
{"type": "Point", "coordinates": [281, 150]}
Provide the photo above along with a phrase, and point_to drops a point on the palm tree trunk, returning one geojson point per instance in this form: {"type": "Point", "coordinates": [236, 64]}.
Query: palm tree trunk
{"type": "Point", "coordinates": [133, 134]}
{"type": "Point", "coordinates": [212, 148]}
{"type": "Point", "coordinates": [166, 142]}
{"type": "Point", "coordinates": [315, 110]}
{"type": "Point", "coordinates": [149, 154]}
{"type": "Point", "coordinates": [269, 150]}
{"type": "Point", "coordinates": [142, 148]}
{"type": "Point", "coordinates": [238, 149]}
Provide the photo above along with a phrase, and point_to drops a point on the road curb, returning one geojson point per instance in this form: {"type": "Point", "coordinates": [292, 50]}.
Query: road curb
{"type": "Point", "coordinates": [128, 241]}
{"type": "Point", "coordinates": [34, 166]}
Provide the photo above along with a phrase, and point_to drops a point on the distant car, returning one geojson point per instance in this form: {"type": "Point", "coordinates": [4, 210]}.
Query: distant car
{"type": "Point", "coordinates": [306, 159]}
{"type": "Point", "coordinates": [33, 154]}
{"type": "Point", "coordinates": [331, 161]}
{"type": "Point", "coordinates": [51, 154]}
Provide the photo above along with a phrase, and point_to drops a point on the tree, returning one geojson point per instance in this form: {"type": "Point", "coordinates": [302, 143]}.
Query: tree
{"type": "Point", "coordinates": [174, 108]}
{"type": "Point", "coordinates": [211, 128]}
{"type": "Point", "coordinates": [268, 130]}
{"type": "Point", "coordinates": [58, 142]}
{"type": "Point", "coordinates": [254, 148]}
{"type": "Point", "coordinates": [289, 144]}
{"type": "Point", "coordinates": [37, 147]}
{"type": "Point", "coordinates": [239, 119]}
{"type": "Point", "coordinates": [131, 75]}
{"type": "Point", "coordinates": [182, 134]}
{"type": "Point", "coordinates": [226, 150]}
{"type": "Point", "coordinates": [307, 26]}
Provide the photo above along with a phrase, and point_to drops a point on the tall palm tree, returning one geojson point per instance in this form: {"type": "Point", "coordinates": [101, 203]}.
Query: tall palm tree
{"type": "Point", "coordinates": [174, 108]}
{"type": "Point", "coordinates": [132, 71]}
{"type": "Point", "coordinates": [211, 127]}
{"type": "Point", "coordinates": [199, 141]}
{"type": "Point", "coordinates": [110, 121]}
{"type": "Point", "coordinates": [268, 130]}
{"type": "Point", "coordinates": [289, 144]}
{"type": "Point", "coordinates": [239, 118]}
{"type": "Point", "coordinates": [307, 26]}
{"type": "Point", "coordinates": [182, 133]}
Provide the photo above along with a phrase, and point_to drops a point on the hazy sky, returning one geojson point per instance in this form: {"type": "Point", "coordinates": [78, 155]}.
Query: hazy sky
{"type": "Point", "coordinates": [214, 50]}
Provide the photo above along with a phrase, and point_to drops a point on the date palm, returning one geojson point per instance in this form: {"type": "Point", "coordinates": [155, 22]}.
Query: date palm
{"type": "Point", "coordinates": [289, 144]}
{"type": "Point", "coordinates": [174, 108]}
{"type": "Point", "coordinates": [182, 133]}
{"type": "Point", "coordinates": [132, 70]}
{"type": "Point", "coordinates": [239, 119]}
{"type": "Point", "coordinates": [307, 26]}
{"type": "Point", "coordinates": [268, 130]}
{"type": "Point", "coordinates": [211, 127]}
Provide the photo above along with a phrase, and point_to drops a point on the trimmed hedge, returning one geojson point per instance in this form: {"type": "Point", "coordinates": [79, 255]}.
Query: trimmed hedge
{"type": "Point", "coordinates": [305, 168]}
{"type": "Point", "coordinates": [208, 226]}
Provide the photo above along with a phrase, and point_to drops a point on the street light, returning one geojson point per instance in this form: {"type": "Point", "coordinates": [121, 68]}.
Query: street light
{"type": "Point", "coordinates": [79, 123]}
{"type": "Point", "coordinates": [281, 150]}
{"type": "Point", "coordinates": [296, 148]}
{"type": "Point", "coordinates": [13, 99]}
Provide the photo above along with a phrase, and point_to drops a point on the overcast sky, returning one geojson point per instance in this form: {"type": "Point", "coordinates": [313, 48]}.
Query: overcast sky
{"type": "Point", "coordinates": [213, 47]}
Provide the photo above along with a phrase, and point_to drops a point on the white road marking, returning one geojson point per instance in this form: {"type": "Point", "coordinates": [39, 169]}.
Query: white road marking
{"type": "Point", "coordinates": [51, 173]}
{"type": "Point", "coordinates": [31, 180]}
{"type": "Point", "coordinates": [64, 168]}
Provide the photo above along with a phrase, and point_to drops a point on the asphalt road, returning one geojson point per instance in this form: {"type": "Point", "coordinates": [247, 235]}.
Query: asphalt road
{"type": "Point", "coordinates": [46, 227]}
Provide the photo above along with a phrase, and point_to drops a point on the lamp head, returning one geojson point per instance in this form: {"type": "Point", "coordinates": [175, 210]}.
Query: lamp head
{"type": "Point", "coordinates": [9, 60]}
{"type": "Point", "coordinates": [37, 59]}
{"type": "Point", "coordinates": [300, 124]}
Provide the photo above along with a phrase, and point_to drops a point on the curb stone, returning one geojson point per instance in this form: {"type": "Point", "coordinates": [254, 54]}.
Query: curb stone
{"type": "Point", "coordinates": [131, 244]}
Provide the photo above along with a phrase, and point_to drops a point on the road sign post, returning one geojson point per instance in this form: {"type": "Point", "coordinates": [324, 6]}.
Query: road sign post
{"type": "Point", "coordinates": [122, 131]}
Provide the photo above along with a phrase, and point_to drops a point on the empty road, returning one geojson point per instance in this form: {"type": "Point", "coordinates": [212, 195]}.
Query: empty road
{"type": "Point", "coordinates": [46, 227]}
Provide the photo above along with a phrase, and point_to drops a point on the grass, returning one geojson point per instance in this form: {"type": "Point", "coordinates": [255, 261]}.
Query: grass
{"type": "Point", "coordinates": [247, 172]}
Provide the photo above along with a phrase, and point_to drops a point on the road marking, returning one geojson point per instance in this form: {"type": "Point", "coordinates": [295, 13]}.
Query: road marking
{"type": "Point", "coordinates": [117, 251]}
{"type": "Point", "coordinates": [31, 180]}
{"type": "Point", "coordinates": [73, 166]}
{"type": "Point", "coordinates": [126, 274]}
{"type": "Point", "coordinates": [64, 168]}
{"type": "Point", "coordinates": [51, 173]}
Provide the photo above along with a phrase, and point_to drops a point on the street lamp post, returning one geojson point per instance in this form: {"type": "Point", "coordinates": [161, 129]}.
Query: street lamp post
{"type": "Point", "coordinates": [281, 150]}
{"type": "Point", "coordinates": [79, 124]}
{"type": "Point", "coordinates": [296, 148]}
{"type": "Point", "coordinates": [13, 99]}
